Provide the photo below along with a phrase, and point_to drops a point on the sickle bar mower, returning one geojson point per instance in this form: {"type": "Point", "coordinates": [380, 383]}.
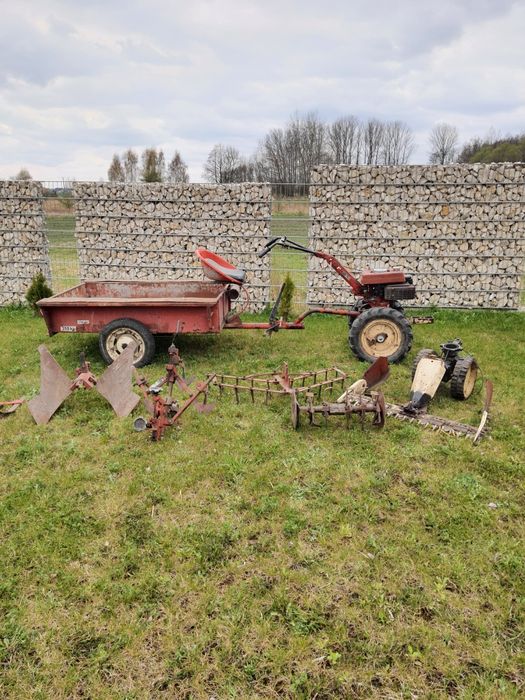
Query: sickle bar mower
{"type": "Point", "coordinates": [445, 425]}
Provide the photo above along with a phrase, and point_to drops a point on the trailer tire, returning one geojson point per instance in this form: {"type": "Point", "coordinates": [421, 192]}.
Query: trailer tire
{"type": "Point", "coordinates": [393, 337]}
{"type": "Point", "coordinates": [117, 335]}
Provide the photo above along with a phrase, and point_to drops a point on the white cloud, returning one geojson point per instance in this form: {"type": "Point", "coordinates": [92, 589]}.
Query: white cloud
{"type": "Point", "coordinates": [80, 81]}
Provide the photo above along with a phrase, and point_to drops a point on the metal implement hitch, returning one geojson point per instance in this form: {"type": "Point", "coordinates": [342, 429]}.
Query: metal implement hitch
{"type": "Point", "coordinates": [166, 411]}
{"type": "Point", "coordinates": [9, 407]}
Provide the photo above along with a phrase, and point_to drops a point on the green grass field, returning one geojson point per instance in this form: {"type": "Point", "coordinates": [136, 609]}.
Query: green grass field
{"type": "Point", "coordinates": [239, 559]}
{"type": "Point", "coordinates": [63, 251]}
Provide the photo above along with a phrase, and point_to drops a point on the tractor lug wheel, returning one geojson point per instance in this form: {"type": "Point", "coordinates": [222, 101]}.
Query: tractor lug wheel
{"type": "Point", "coordinates": [380, 332]}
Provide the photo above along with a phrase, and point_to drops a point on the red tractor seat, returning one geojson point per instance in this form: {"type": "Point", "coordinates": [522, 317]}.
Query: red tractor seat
{"type": "Point", "coordinates": [219, 269]}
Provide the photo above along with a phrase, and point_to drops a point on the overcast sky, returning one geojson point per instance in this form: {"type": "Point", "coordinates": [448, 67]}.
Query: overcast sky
{"type": "Point", "coordinates": [82, 79]}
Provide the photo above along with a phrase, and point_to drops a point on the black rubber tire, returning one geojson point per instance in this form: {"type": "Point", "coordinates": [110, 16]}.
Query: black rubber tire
{"type": "Point", "coordinates": [377, 314]}
{"type": "Point", "coordinates": [426, 352]}
{"type": "Point", "coordinates": [145, 334]}
{"type": "Point", "coordinates": [461, 384]}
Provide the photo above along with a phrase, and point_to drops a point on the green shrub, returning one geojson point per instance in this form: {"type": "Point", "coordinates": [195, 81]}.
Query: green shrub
{"type": "Point", "coordinates": [39, 289]}
{"type": "Point", "coordinates": [285, 307]}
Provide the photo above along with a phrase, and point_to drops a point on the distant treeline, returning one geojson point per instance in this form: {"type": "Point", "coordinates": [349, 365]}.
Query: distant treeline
{"type": "Point", "coordinates": [504, 150]}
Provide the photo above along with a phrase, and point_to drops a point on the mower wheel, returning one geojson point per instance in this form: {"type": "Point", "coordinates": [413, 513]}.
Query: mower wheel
{"type": "Point", "coordinates": [422, 354]}
{"type": "Point", "coordinates": [118, 334]}
{"type": "Point", "coordinates": [463, 378]}
{"type": "Point", "coordinates": [380, 332]}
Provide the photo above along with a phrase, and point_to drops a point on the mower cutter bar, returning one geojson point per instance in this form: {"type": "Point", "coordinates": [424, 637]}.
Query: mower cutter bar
{"type": "Point", "coordinates": [445, 425]}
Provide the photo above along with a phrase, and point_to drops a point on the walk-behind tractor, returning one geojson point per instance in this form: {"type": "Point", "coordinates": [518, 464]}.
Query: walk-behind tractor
{"type": "Point", "coordinates": [378, 326]}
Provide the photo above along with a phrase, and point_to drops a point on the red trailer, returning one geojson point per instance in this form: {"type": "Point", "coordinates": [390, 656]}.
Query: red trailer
{"type": "Point", "coordinates": [125, 311]}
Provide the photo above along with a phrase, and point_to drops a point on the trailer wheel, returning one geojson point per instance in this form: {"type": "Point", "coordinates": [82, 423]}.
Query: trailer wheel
{"type": "Point", "coordinates": [380, 332]}
{"type": "Point", "coordinates": [463, 378]}
{"type": "Point", "coordinates": [118, 334]}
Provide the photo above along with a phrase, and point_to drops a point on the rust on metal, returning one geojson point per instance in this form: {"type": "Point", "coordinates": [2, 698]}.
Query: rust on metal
{"type": "Point", "coordinates": [165, 411]}
{"type": "Point", "coordinates": [55, 386]}
{"type": "Point", "coordinates": [9, 407]}
{"type": "Point", "coordinates": [116, 385]}
{"type": "Point", "coordinates": [352, 405]}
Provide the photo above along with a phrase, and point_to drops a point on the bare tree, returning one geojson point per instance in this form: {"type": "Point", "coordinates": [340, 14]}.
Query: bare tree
{"type": "Point", "coordinates": [397, 144]}
{"type": "Point", "coordinates": [444, 144]}
{"type": "Point", "coordinates": [309, 133]}
{"type": "Point", "coordinates": [116, 171]}
{"type": "Point", "coordinates": [23, 174]}
{"type": "Point", "coordinates": [343, 140]}
{"type": "Point", "coordinates": [153, 165]}
{"type": "Point", "coordinates": [372, 132]}
{"type": "Point", "coordinates": [130, 164]}
{"type": "Point", "coordinates": [177, 169]}
{"type": "Point", "coordinates": [221, 164]}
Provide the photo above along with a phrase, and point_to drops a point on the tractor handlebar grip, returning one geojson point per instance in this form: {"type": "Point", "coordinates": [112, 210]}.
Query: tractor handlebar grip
{"type": "Point", "coordinates": [264, 251]}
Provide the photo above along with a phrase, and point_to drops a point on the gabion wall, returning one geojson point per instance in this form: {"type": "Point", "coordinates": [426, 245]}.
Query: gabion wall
{"type": "Point", "coordinates": [458, 228]}
{"type": "Point", "coordinates": [23, 242]}
{"type": "Point", "coordinates": [150, 231]}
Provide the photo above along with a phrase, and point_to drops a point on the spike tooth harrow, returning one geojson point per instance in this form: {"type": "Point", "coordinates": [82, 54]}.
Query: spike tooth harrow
{"type": "Point", "coordinates": [280, 383]}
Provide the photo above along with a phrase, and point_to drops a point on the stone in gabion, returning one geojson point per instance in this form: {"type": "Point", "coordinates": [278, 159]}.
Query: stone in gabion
{"type": "Point", "coordinates": [458, 228]}
{"type": "Point", "coordinates": [150, 231]}
{"type": "Point", "coordinates": [23, 243]}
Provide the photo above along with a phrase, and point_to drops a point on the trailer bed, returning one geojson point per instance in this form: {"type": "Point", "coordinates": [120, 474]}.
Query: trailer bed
{"type": "Point", "coordinates": [165, 306]}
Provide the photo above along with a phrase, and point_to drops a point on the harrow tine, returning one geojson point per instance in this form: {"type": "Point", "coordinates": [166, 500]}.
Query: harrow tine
{"type": "Point", "coordinates": [204, 408]}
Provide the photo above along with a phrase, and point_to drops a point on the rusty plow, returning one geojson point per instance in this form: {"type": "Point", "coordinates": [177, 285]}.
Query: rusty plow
{"type": "Point", "coordinates": [55, 386]}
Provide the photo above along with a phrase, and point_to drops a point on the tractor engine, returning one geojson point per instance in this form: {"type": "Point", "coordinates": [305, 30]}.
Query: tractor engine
{"type": "Point", "coordinates": [391, 285]}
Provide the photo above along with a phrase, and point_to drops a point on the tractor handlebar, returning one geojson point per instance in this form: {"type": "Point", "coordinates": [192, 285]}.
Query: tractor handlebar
{"type": "Point", "coordinates": [285, 243]}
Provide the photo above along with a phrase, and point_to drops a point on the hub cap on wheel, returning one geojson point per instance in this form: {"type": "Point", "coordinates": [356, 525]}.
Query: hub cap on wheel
{"type": "Point", "coordinates": [381, 338]}
{"type": "Point", "coordinates": [119, 339]}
